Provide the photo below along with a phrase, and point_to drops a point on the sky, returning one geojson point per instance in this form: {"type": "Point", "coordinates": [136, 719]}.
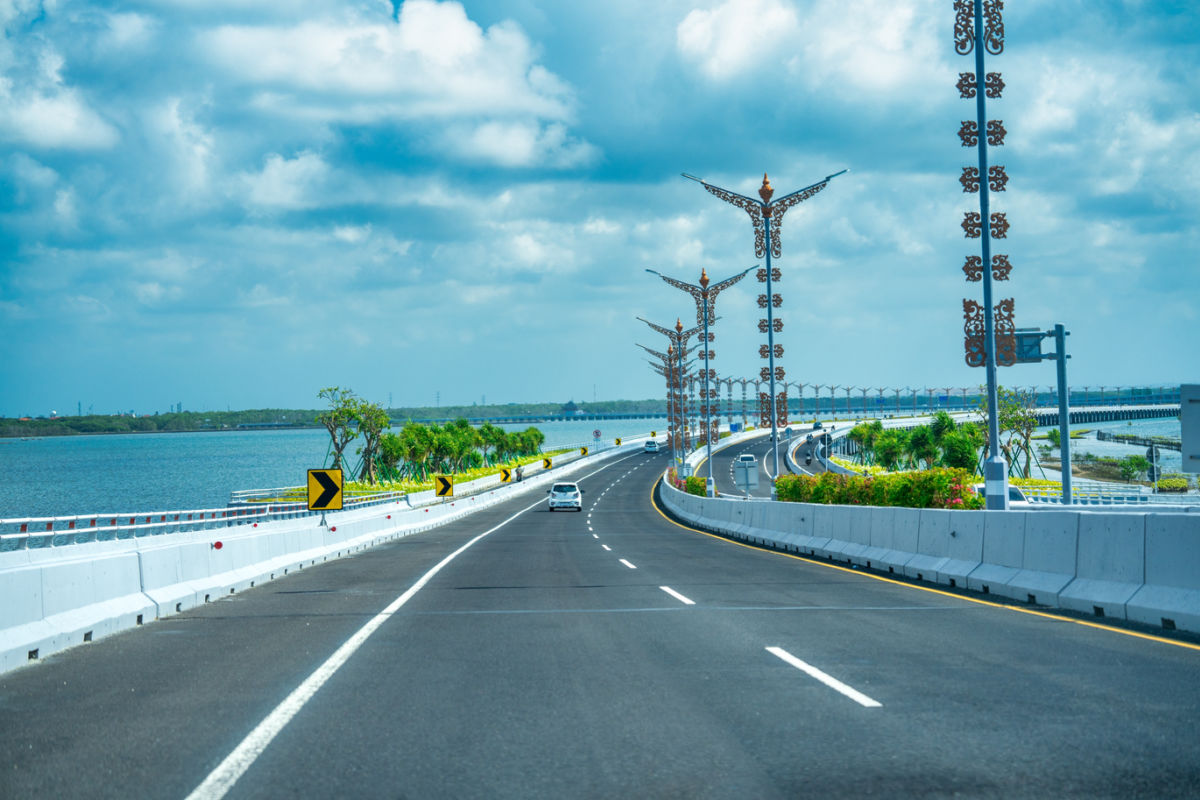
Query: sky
{"type": "Point", "coordinates": [232, 205]}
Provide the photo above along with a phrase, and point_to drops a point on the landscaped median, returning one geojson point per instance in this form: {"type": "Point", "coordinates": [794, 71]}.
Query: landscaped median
{"type": "Point", "coordinates": [940, 487]}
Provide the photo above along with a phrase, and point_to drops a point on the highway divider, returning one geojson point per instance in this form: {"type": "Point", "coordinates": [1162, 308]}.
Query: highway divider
{"type": "Point", "coordinates": [52, 598]}
{"type": "Point", "coordinates": [1140, 567]}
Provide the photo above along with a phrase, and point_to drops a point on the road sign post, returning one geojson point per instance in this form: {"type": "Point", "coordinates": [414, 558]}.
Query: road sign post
{"type": "Point", "coordinates": [324, 491]}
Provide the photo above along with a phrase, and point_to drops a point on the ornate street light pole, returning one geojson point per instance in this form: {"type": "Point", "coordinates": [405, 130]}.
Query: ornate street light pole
{"type": "Point", "coordinates": [990, 330]}
{"type": "Point", "coordinates": [767, 244]}
{"type": "Point", "coordinates": [706, 310]}
{"type": "Point", "coordinates": [678, 339]}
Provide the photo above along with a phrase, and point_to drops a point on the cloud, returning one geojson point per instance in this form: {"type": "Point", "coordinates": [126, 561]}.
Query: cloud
{"type": "Point", "coordinates": [736, 36]}
{"type": "Point", "coordinates": [38, 110]}
{"type": "Point", "coordinates": [287, 183]}
{"type": "Point", "coordinates": [434, 62]}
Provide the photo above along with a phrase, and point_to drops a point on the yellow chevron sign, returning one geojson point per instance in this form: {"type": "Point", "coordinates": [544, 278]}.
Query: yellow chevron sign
{"type": "Point", "coordinates": [583, 451]}
{"type": "Point", "coordinates": [618, 442]}
{"type": "Point", "coordinates": [546, 463]}
{"type": "Point", "coordinates": [505, 475]}
{"type": "Point", "coordinates": [443, 485]}
{"type": "Point", "coordinates": [324, 490]}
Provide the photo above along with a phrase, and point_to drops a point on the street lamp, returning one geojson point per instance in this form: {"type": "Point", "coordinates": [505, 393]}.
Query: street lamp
{"type": "Point", "coordinates": [678, 339]}
{"type": "Point", "coordinates": [990, 330]}
{"type": "Point", "coordinates": [767, 243]}
{"type": "Point", "coordinates": [706, 309]}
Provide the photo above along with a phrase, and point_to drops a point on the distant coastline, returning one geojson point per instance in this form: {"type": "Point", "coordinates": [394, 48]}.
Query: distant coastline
{"type": "Point", "coordinates": [297, 419]}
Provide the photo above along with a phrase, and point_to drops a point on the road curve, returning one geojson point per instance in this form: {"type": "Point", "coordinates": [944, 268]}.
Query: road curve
{"type": "Point", "coordinates": [608, 652]}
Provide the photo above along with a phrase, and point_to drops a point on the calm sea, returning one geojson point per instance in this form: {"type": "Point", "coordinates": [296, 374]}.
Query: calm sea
{"type": "Point", "coordinates": [64, 475]}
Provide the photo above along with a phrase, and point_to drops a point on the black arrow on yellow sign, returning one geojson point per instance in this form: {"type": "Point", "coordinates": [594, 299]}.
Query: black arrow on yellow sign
{"type": "Point", "coordinates": [545, 463]}
{"type": "Point", "coordinates": [583, 451]}
{"type": "Point", "coordinates": [618, 442]}
{"type": "Point", "coordinates": [505, 475]}
{"type": "Point", "coordinates": [444, 485]}
{"type": "Point", "coordinates": [324, 490]}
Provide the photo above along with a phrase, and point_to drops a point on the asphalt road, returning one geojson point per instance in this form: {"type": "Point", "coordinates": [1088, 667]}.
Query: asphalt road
{"type": "Point", "coordinates": [603, 653]}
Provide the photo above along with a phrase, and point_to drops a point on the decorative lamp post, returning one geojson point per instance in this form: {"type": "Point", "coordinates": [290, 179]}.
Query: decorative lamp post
{"type": "Point", "coordinates": [767, 243]}
{"type": "Point", "coordinates": [678, 339]}
{"type": "Point", "coordinates": [990, 329]}
{"type": "Point", "coordinates": [706, 310]}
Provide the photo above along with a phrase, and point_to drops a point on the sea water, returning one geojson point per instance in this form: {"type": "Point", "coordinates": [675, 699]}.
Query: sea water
{"type": "Point", "coordinates": [129, 473]}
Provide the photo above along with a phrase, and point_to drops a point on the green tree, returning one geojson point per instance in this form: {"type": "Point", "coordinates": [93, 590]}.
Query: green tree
{"type": "Point", "coordinates": [923, 446]}
{"type": "Point", "coordinates": [371, 420]}
{"type": "Point", "coordinates": [1017, 423]}
{"type": "Point", "coordinates": [1132, 466]}
{"type": "Point", "coordinates": [1055, 437]}
{"type": "Point", "coordinates": [339, 419]}
{"type": "Point", "coordinates": [960, 449]}
{"type": "Point", "coordinates": [890, 448]}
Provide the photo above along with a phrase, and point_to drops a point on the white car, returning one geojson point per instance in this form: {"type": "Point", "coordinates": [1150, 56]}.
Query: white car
{"type": "Point", "coordinates": [1016, 498]}
{"type": "Point", "coordinates": [566, 495]}
{"type": "Point", "coordinates": [651, 446]}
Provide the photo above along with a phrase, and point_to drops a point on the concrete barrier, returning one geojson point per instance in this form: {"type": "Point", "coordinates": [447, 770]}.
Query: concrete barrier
{"type": "Point", "coordinates": [54, 598]}
{"type": "Point", "coordinates": [1143, 567]}
{"type": "Point", "coordinates": [1171, 594]}
{"type": "Point", "coordinates": [1110, 564]}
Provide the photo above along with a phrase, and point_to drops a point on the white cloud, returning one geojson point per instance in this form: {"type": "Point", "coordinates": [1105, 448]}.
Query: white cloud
{"type": "Point", "coordinates": [433, 62]}
{"type": "Point", "coordinates": [736, 36]}
{"type": "Point", "coordinates": [519, 144]}
{"type": "Point", "coordinates": [288, 183]}
{"type": "Point", "coordinates": [188, 147]}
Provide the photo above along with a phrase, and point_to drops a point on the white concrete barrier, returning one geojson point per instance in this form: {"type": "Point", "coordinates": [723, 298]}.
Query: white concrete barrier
{"type": "Point", "coordinates": [54, 598]}
{"type": "Point", "coordinates": [1109, 566]}
{"type": "Point", "coordinates": [1171, 594]}
{"type": "Point", "coordinates": [1143, 567]}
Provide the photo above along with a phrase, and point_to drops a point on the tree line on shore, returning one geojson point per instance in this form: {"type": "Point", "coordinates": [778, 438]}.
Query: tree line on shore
{"type": "Point", "coordinates": [419, 450]}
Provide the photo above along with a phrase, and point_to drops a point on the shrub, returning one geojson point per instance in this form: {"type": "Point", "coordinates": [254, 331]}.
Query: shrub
{"type": "Point", "coordinates": [935, 488]}
{"type": "Point", "coordinates": [696, 486]}
{"type": "Point", "coordinates": [1172, 485]}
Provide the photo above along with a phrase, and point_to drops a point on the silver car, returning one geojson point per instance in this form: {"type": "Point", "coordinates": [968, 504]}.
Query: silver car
{"type": "Point", "coordinates": [565, 495]}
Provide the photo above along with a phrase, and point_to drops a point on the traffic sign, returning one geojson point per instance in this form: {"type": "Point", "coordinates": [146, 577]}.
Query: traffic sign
{"type": "Point", "coordinates": [618, 442]}
{"type": "Point", "coordinates": [653, 434]}
{"type": "Point", "coordinates": [583, 451]}
{"type": "Point", "coordinates": [546, 463]}
{"type": "Point", "coordinates": [324, 490]}
{"type": "Point", "coordinates": [505, 475]}
{"type": "Point", "coordinates": [443, 485]}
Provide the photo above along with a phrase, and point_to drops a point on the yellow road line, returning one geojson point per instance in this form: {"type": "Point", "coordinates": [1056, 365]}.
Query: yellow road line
{"type": "Point", "coordinates": [907, 585]}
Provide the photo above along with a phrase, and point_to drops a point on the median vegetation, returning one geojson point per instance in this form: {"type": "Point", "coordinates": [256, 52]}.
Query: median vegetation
{"type": "Point", "coordinates": [940, 487]}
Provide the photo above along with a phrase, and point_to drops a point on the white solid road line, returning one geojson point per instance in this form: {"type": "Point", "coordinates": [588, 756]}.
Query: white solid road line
{"type": "Point", "coordinates": [678, 596]}
{"type": "Point", "coordinates": [594, 536]}
{"type": "Point", "coordinates": [828, 680]}
{"type": "Point", "coordinates": [626, 563]}
{"type": "Point", "coordinates": [221, 780]}
{"type": "Point", "coordinates": [606, 547]}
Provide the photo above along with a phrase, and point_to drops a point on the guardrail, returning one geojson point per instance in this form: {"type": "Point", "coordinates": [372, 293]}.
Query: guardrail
{"type": "Point", "coordinates": [39, 532]}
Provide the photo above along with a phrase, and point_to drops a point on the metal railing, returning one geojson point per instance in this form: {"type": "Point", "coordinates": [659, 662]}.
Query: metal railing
{"type": "Point", "coordinates": [31, 533]}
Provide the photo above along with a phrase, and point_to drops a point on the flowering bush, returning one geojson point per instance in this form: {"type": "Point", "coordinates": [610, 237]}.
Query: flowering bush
{"type": "Point", "coordinates": [695, 486]}
{"type": "Point", "coordinates": [935, 488]}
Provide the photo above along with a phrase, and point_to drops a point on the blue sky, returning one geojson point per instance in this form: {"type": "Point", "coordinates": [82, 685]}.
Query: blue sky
{"type": "Point", "coordinates": [235, 204]}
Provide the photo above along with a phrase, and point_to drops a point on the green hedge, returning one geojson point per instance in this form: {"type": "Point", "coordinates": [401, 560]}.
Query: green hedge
{"type": "Point", "coordinates": [695, 486]}
{"type": "Point", "coordinates": [935, 488]}
{"type": "Point", "coordinates": [1172, 485]}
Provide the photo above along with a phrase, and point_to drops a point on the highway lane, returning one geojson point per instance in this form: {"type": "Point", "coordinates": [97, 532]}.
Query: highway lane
{"type": "Point", "coordinates": [559, 656]}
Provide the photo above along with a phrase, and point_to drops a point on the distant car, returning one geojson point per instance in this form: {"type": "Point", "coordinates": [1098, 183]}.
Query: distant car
{"type": "Point", "coordinates": [1015, 496]}
{"type": "Point", "coordinates": [651, 446]}
{"type": "Point", "coordinates": [746, 458]}
{"type": "Point", "coordinates": [809, 439]}
{"type": "Point", "coordinates": [817, 425]}
{"type": "Point", "coordinates": [566, 495]}
{"type": "Point", "coordinates": [808, 459]}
